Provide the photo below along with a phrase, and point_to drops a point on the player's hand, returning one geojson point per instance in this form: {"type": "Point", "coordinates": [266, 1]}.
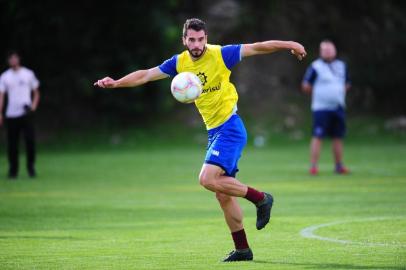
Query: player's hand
{"type": "Point", "coordinates": [106, 82]}
{"type": "Point", "coordinates": [298, 50]}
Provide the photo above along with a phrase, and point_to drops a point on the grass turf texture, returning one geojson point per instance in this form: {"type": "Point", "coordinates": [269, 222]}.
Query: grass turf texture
{"type": "Point", "coordinates": [143, 209]}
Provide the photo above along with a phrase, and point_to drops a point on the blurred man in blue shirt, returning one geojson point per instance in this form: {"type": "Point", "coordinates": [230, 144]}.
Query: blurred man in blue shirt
{"type": "Point", "coordinates": [327, 80]}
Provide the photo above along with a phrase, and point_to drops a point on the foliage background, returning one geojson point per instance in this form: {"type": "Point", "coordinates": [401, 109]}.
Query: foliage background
{"type": "Point", "coordinates": [70, 44]}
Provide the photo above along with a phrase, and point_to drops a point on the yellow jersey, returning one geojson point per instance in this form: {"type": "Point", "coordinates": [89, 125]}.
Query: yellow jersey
{"type": "Point", "coordinates": [219, 97]}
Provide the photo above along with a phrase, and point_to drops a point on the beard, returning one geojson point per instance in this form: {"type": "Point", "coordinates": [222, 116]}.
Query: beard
{"type": "Point", "coordinates": [196, 53]}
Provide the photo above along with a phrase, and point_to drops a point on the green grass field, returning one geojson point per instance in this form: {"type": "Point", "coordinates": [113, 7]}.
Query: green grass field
{"type": "Point", "coordinates": [143, 208]}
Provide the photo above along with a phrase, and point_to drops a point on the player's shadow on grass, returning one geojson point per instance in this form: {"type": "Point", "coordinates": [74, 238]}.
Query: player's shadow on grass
{"type": "Point", "coordinates": [331, 265]}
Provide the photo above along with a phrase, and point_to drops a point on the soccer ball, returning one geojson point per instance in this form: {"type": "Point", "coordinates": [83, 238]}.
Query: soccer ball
{"type": "Point", "coordinates": [186, 87]}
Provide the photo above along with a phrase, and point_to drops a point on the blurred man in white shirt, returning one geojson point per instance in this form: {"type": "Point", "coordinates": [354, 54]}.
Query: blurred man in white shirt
{"type": "Point", "coordinates": [327, 80]}
{"type": "Point", "coordinates": [21, 87]}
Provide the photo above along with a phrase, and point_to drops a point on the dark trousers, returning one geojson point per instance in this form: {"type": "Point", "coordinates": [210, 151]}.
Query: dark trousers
{"type": "Point", "coordinates": [15, 128]}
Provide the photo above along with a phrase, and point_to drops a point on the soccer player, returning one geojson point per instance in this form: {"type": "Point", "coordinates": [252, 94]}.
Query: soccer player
{"type": "Point", "coordinates": [327, 80]}
{"type": "Point", "coordinates": [218, 106]}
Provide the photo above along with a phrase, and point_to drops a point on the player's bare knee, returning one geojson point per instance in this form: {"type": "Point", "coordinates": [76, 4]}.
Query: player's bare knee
{"type": "Point", "coordinates": [207, 180]}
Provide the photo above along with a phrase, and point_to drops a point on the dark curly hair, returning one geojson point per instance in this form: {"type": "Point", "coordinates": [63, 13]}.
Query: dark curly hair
{"type": "Point", "coordinates": [195, 24]}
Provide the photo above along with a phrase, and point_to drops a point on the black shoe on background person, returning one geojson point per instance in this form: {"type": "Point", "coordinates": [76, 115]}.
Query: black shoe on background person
{"type": "Point", "coordinates": [12, 176]}
{"type": "Point", "coordinates": [32, 173]}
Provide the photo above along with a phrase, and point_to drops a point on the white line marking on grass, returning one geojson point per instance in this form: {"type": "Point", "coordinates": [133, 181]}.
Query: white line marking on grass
{"type": "Point", "coordinates": [309, 232]}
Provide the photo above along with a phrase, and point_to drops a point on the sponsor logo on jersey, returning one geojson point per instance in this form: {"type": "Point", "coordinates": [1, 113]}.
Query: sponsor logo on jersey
{"type": "Point", "coordinates": [202, 77]}
{"type": "Point", "coordinates": [212, 89]}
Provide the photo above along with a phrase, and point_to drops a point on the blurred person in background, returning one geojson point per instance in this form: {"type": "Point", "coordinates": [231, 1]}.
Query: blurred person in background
{"type": "Point", "coordinates": [327, 80]}
{"type": "Point", "coordinates": [21, 87]}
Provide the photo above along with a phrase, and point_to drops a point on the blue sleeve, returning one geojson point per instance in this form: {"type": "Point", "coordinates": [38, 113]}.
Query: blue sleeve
{"type": "Point", "coordinates": [231, 55]}
{"type": "Point", "coordinates": [310, 75]}
{"type": "Point", "coordinates": [169, 66]}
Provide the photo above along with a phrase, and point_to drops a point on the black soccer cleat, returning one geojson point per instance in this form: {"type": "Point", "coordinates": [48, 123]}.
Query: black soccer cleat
{"type": "Point", "coordinates": [264, 211]}
{"type": "Point", "coordinates": [239, 255]}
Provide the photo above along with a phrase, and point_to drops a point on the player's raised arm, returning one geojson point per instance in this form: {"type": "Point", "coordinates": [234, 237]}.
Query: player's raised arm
{"type": "Point", "coordinates": [133, 79]}
{"type": "Point", "coordinates": [271, 46]}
